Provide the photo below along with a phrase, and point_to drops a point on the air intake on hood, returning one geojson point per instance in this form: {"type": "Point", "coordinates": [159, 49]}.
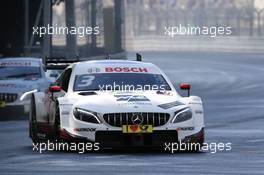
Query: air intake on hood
{"type": "Point", "coordinates": [87, 93]}
{"type": "Point", "coordinates": [170, 105]}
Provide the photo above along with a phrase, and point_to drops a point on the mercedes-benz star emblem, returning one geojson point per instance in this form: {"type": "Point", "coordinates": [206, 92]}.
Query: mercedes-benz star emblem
{"type": "Point", "coordinates": [137, 119]}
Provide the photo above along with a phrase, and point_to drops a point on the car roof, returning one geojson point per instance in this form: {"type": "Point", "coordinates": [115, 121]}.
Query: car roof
{"type": "Point", "coordinates": [114, 62]}
{"type": "Point", "coordinates": [31, 59]}
{"type": "Point", "coordinates": [21, 61]}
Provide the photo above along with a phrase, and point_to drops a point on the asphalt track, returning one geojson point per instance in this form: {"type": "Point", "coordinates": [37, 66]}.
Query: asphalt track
{"type": "Point", "coordinates": [231, 86]}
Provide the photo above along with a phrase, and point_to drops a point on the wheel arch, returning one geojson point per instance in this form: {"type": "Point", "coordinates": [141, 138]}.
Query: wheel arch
{"type": "Point", "coordinates": [196, 104]}
{"type": "Point", "coordinates": [41, 112]}
{"type": "Point", "coordinates": [65, 112]}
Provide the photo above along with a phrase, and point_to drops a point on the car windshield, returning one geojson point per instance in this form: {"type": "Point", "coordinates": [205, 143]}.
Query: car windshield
{"type": "Point", "coordinates": [27, 72]}
{"type": "Point", "coordinates": [120, 81]}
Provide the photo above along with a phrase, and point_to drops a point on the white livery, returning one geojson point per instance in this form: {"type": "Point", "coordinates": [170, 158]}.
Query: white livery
{"type": "Point", "coordinates": [17, 77]}
{"type": "Point", "coordinates": [116, 103]}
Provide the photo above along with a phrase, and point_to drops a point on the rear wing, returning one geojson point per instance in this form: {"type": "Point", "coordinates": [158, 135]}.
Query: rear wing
{"type": "Point", "coordinates": [58, 63]}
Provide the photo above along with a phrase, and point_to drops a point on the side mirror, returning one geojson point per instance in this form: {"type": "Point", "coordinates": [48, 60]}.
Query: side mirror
{"type": "Point", "coordinates": [186, 86]}
{"type": "Point", "coordinates": [54, 88]}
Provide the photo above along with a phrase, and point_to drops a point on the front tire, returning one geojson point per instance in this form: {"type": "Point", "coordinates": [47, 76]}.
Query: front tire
{"type": "Point", "coordinates": [33, 122]}
{"type": "Point", "coordinates": [57, 124]}
{"type": "Point", "coordinates": [199, 140]}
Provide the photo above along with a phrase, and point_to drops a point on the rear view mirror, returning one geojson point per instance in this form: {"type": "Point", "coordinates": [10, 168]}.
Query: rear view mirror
{"type": "Point", "coordinates": [55, 88]}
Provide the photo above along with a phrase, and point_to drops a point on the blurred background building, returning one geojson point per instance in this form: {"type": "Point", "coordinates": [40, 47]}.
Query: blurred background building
{"type": "Point", "coordinates": [150, 16]}
{"type": "Point", "coordinates": [127, 25]}
{"type": "Point", "coordinates": [18, 17]}
{"type": "Point", "coordinates": [146, 20]}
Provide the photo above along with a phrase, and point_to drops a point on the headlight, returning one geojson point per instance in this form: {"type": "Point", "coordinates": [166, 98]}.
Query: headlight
{"type": "Point", "coordinates": [182, 115]}
{"type": "Point", "coordinates": [85, 115]}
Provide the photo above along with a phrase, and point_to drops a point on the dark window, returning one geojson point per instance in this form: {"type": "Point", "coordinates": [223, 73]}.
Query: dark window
{"type": "Point", "coordinates": [64, 79]}
{"type": "Point", "coordinates": [27, 72]}
{"type": "Point", "coordinates": [124, 81]}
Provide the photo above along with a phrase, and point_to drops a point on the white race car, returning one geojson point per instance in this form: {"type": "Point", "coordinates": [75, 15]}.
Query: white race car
{"type": "Point", "coordinates": [17, 77]}
{"type": "Point", "coordinates": [116, 103]}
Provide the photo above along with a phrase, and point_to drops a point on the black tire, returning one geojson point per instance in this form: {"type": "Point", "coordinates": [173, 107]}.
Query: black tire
{"type": "Point", "coordinates": [199, 141]}
{"type": "Point", "coordinates": [57, 124]}
{"type": "Point", "coordinates": [33, 122]}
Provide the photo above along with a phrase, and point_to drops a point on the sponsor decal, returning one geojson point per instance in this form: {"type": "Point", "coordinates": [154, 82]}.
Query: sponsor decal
{"type": "Point", "coordinates": [124, 93]}
{"type": "Point", "coordinates": [16, 63]}
{"type": "Point", "coordinates": [93, 70]}
{"type": "Point", "coordinates": [137, 128]}
{"type": "Point", "coordinates": [134, 103]}
{"type": "Point", "coordinates": [185, 129]}
{"type": "Point", "coordinates": [65, 112]}
{"type": "Point", "coordinates": [165, 93]}
{"type": "Point", "coordinates": [12, 86]}
{"type": "Point", "coordinates": [198, 111]}
{"type": "Point", "coordinates": [84, 129]}
{"type": "Point", "coordinates": [131, 98]}
{"type": "Point", "coordinates": [41, 135]}
{"type": "Point", "coordinates": [125, 69]}
{"type": "Point", "coordinates": [195, 103]}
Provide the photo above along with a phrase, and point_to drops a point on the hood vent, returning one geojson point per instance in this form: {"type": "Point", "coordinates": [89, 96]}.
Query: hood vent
{"type": "Point", "coordinates": [87, 93]}
{"type": "Point", "coordinates": [170, 105]}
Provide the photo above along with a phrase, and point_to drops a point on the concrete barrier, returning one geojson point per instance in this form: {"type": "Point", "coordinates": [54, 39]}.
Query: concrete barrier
{"type": "Point", "coordinates": [195, 43]}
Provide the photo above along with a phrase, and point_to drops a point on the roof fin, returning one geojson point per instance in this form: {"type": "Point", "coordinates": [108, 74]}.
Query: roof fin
{"type": "Point", "coordinates": [139, 57]}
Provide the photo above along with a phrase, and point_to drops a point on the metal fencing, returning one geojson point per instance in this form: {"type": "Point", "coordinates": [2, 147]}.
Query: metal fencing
{"type": "Point", "coordinates": [148, 17]}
